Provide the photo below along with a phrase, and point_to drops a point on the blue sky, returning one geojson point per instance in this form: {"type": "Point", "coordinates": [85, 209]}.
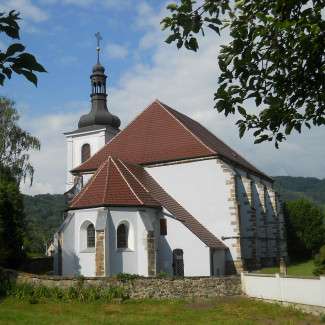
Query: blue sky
{"type": "Point", "coordinates": [141, 68]}
{"type": "Point", "coordinates": [61, 35]}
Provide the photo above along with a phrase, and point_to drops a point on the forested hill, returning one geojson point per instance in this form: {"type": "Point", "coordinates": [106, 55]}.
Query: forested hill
{"type": "Point", "coordinates": [44, 216]}
{"type": "Point", "coordinates": [44, 212]}
{"type": "Point", "coordinates": [292, 188]}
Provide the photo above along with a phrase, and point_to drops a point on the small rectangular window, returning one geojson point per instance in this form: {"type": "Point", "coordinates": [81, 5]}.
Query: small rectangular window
{"type": "Point", "coordinates": [163, 227]}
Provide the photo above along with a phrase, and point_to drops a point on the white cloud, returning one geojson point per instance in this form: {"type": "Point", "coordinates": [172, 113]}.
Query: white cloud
{"type": "Point", "coordinates": [186, 81]}
{"type": "Point", "coordinates": [50, 161]}
{"type": "Point", "coordinates": [27, 9]}
{"type": "Point", "coordinates": [116, 51]}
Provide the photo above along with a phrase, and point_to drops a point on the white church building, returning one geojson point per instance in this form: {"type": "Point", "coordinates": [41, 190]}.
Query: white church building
{"type": "Point", "coordinates": [162, 195]}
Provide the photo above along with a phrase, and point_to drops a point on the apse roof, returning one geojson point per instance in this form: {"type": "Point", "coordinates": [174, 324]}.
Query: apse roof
{"type": "Point", "coordinates": [112, 185]}
{"type": "Point", "coordinates": [117, 183]}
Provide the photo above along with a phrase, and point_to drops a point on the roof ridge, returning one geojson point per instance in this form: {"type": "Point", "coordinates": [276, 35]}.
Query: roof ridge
{"type": "Point", "coordinates": [125, 180]}
{"type": "Point", "coordinates": [92, 179]}
{"type": "Point", "coordinates": [166, 108]}
{"type": "Point", "coordinates": [107, 179]}
{"type": "Point", "coordinates": [123, 163]}
{"type": "Point", "coordinates": [117, 135]}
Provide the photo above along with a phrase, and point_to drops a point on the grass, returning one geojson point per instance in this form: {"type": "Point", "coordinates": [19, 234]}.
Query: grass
{"type": "Point", "coordinates": [230, 310]}
{"type": "Point", "coordinates": [295, 268]}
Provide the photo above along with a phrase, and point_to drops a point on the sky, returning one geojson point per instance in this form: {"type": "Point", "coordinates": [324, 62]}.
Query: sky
{"type": "Point", "coordinates": [140, 68]}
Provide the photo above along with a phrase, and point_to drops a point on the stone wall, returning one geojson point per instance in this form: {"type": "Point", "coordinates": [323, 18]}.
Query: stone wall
{"type": "Point", "coordinates": [140, 288]}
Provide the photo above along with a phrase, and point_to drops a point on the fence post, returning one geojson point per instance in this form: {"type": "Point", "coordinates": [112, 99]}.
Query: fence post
{"type": "Point", "coordinates": [322, 285]}
{"type": "Point", "coordinates": [279, 284]}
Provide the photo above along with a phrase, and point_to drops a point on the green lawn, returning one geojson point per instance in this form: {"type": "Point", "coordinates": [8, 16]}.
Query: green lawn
{"type": "Point", "coordinates": [295, 268]}
{"type": "Point", "coordinates": [232, 310]}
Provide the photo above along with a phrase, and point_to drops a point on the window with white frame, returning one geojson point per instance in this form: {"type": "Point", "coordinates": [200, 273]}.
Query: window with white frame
{"type": "Point", "coordinates": [90, 236]}
{"type": "Point", "coordinates": [122, 235]}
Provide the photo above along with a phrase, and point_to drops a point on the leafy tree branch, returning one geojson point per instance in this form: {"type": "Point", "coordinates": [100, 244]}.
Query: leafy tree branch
{"type": "Point", "coordinates": [276, 58]}
{"type": "Point", "coordinates": [14, 58]}
{"type": "Point", "coordinates": [15, 143]}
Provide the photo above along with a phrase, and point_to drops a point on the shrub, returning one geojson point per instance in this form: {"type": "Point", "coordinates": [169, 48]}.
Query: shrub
{"type": "Point", "coordinates": [35, 294]}
{"type": "Point", "coordinates": [322, 318]}
{"type": "Point", "coordinates": [125, 277]}
{"type": "Point", "coordinates": [320, 262]}
{"type": "Point", "coordinates": [305, 228]}
{"type": "Point", "coordinates": [162, 275]}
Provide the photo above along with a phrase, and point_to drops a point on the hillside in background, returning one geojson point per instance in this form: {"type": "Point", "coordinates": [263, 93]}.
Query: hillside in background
{"type": "Point", "coordinates": [44, 216]}
{"type": "Point", "coordinates": [44, 211]}
{"type": "Point", "coordinates": [292, 188]}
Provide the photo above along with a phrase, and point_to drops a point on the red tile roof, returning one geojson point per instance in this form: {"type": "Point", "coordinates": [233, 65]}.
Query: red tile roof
{"type": "Point", "coordinates": [117, 183]}
{"type": "Point", "coordinates": [170, 204]}
{"type": "Point", "coordinates": [112, 186]}
{"type": "Point", "coordinates": [162, 134]}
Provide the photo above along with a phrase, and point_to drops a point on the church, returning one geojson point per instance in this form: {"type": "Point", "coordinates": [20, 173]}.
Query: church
{"type": "Point", "coordinates": [162, 195]}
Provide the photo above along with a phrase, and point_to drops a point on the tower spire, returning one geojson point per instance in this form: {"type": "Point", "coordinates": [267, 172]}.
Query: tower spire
{"type": "Point", "coordinates": [99, 114]}
{"type": "Point", "coordinates": [99, 38]}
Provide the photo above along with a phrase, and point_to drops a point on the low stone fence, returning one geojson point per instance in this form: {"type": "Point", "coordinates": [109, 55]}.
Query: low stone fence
{"type": "Point", "coordinates": [141, 288]}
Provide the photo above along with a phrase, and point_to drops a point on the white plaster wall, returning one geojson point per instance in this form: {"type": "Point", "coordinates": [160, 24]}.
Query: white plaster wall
{"type": "Point", "coordinates": [85, 257]}
{"type": "Point", "coordinates": [196, 253]}
{"type": "Point", "coordinates": [69, 257]}
{"type": "Point", "coordinates": [200, 187]}
{"type": "Point", "coordinates": [135, 259]}
{"type": "Point", "coordinates": [293, 290]}
{"type": "Point", "coordinates": [96, 140]}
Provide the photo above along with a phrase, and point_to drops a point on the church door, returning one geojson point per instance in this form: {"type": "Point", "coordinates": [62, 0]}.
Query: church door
{"type": "Point", "coordinates": [178, 262]}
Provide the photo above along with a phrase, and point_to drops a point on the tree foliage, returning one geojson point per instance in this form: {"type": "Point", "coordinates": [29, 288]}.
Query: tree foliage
{"type": "Point", "coordinates": [320, 262]}
{"type": "Point", "coordinates": [15, 59]}
{"type": "Point", "coordinates": [305, 224]}
{"type": "Point", "coordinates": [44, 215]}
{"type": "Point", "coordinates": [15, 142]}
{"type": "Point", "coordinates": [12, 220]}
{"type": "Point", "coordinates": [276, 58]}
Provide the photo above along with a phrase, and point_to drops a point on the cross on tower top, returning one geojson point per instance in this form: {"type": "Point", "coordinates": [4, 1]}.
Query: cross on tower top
{"type": "Point", "coordinates": [99, 38]}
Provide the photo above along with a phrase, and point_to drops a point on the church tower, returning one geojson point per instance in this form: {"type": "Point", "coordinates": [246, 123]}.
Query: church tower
{"type": "Point", "coordinates": [95, 128]}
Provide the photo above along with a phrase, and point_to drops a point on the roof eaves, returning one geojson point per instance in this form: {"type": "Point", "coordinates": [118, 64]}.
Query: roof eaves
{"type": "Point", "coordinates": [105, 205]}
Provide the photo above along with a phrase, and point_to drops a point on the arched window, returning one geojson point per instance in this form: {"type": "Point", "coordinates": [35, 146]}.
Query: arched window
{"type": "Point", "coordinates": [122, 236]}
{"type": "Point", "coordinates": [90, 236]}
{"type": "Point", "coordinates": [85, 152]}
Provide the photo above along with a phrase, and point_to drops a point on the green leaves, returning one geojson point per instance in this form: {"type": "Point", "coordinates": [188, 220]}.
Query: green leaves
{"type": "Point", "coordinates": [13, 48]}
{"type": "Point", "coordinates": [276, 59]}
{"type": "Point", "coordinates": [14, 59]}
{"type": "Point", "coordinates": [15, 142]}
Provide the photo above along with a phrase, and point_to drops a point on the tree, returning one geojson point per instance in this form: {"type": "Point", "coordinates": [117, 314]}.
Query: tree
{"type": "Point", "coordinates": [15, 142]}
{"type": "Point", "coordinates": [276, 57]}
{"type": "Point", "coordinates": [15, 59]}
{"type": "Point", "coordinates": [320, 262]}
{"type": "Point", "coordinates": [305, 228]}
{"type": "Point", "coordinates": [12, 220]}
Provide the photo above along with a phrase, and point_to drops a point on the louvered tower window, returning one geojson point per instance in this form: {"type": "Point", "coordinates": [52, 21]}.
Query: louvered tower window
{"type": "Point", "coordinates": [85, 152]}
